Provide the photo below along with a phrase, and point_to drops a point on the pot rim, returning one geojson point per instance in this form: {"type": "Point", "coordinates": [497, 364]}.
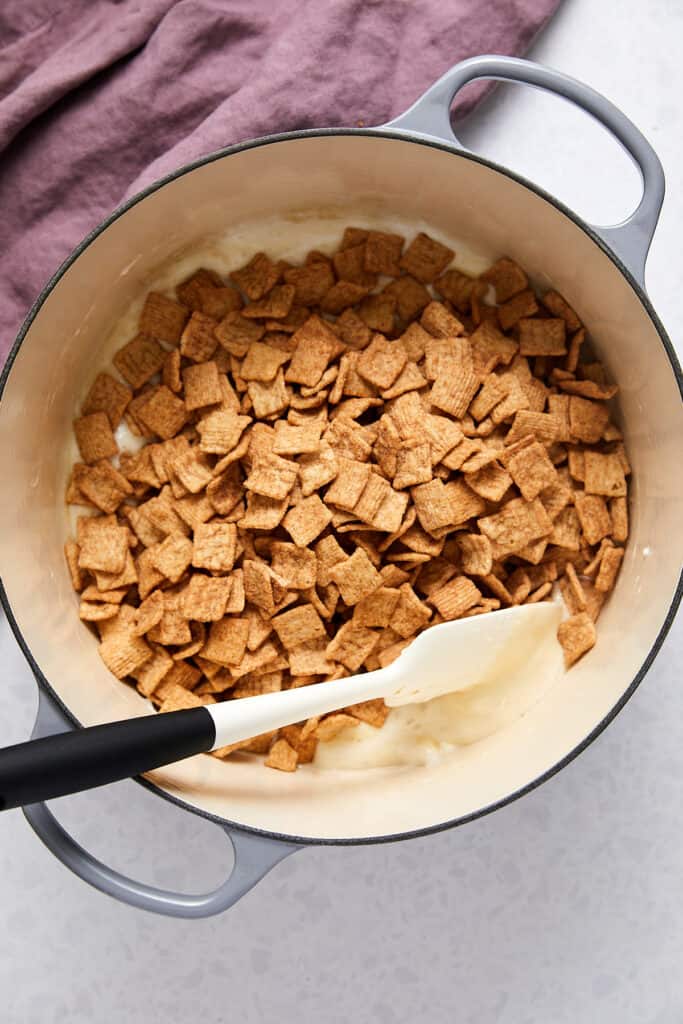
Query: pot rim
{"type": "Point", "coordinates": [455, 150]}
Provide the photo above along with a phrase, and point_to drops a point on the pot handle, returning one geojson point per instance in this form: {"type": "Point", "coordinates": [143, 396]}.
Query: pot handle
{"type": "Point", "coordinates": [254, 855]}
{"type": "Point", "coordinates": [430, 116]}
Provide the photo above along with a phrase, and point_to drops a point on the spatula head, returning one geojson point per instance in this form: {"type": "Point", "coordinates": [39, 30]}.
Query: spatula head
{"type": "Point", "coordinates": [458, 655]}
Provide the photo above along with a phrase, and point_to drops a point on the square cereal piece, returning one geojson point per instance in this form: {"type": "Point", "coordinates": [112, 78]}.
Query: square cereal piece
{"type": "Point", "coordinates": [316, 346]}
{"type": "Point", "coordinates": [262, 362]}
{"type": "Point", "coordinates": [618, 510]}
{"type": "Point", "coordinates": [456, 382]}
{"type": "Point", "coordinates": [162, 318]}
{"type": "Point", "coordinates": [455, 598]}
{"type": "Point", "coordinates": [282, 756]}
{"type": "Point", "coordinates": [223, 493]}
{"type": "Point", "coordinates": [300, 625]}
{"type": "Point", "coordinates": [311, 282]}
{"type": "Point", "coordinates": [198, 341]}
{"type": "Point", "coordinates": [103, 544]}
{"type": "Point", "coordinates": [220, 431]}
{"type": "Point", "coordinates": [269, 399]}
{"type": "Point", "coordinates": [191, 469]}
{"type": "Point", "coordinates": [91, 611]}
{"type": "Point", "coordinates": [297, 566]}
{"type": "Point", "coordinates": [317, 470]}
{"type": "Point", "coordinates": [476, 557]}
{"type": "Point", "coordinates": [227, 641]}
{"type": "Point", "coordinates": [215, 546]}
{"type": "Point", "coordinates": [490, 481]}
{"type": "Point", "coordinates": [205, 597]}
{"type": "Point", "coordinates": [201, 385]}
{"type": "Point", "coordinates": [109, 396]}
{"type": "Point", "coordinates": [309, 659]}
{"type": "Point", "coordinates": [148, 576]}
{"type": "Point", "coordinates": [491, 347]}
{"type": "Point", "coordinates": [587, 420]}
{"type": "Point", "coordinates": [413, 464]}
{"type": "Point", "coordinates": [173, 556]}
{"type": "Point", "coordinates": [383, 253]}
{"type": "Point", "coordinates": [351, 645]}
{"type": "Point", "coordinates": [604, 474]}
{"type": "Point", "coordinates": [458, 288]}
{"type": "Point", "coordinates": [409, 379]}
{"type": "Point", "coordinates": [163, 413]}
{"type": "Point", "coordinates": [139, 360]}
{"type": "Point", "coordinates": [566, 530]}
{"type": "Point", "coordinates": [263, 513]}
{"type": "Point", "coordinates": [263, 587]}
{"type": "Point", "coordinates": [332, 725]}
{"type": "Point", "coordinates": [493, 391]}
{"type": "Point", "coordinates": [218, 302]}
{"type": "Point", "coordinates": [559, 306]}
{"type": "Point", "coordinates": [522, 305]}
{"type": "Point", "coordinates": [151, 674]}
{"type": "Point", "coordinates": [381, 362]}
{"type": "Point", "coordinates": [439, 322]}
{"type": "Point", "coordinates": [593, 515]}
{"type": "Point", "coordinates": [425, 258]}
{"type": "Point", "coordinates": [342, 295]}
{"type": "Point", "coordinates": [353, 236]}
{"type": "Point", "coordinates": [577, 636]}
{"type": "Point", "coordinates": [353, 331]}
{"type": "Point", "coordinates": [411, 296]}
{"type": "Point", "coordinates": [544, 426]}
{"type": "Point", "coordinates": [377, 311]}
{"type": "Point", "coordinates": [306, 520]}
{"type": "Point", "coordinates": [411, 614]}
{"type": "Point", "coordinates": [272, 476]}
{"type": "Point", "coordinates": [515, 525]}
{"type": "Point", "coordinates": [542, 337]}
{"type": "Point", "coordinates": [328, 553]}
{"type": "Point", "coordinates": [609, 568]}
{"type": "Point", "coordinates": [257, 277]}
{"type": "Point", "coordinates": [374, 712]}
{"type": "Point", "coordinates": [235, 333]}
{"type": "Point", "coordinates": [414, 340]}
{"type": "Point", "coordinates": [149, 614]}
{"type": "Point", "coordinates": [187, 291]}
{"type": "Point", "coordinates": [275, 306]}
{"type": "Point", "coordinates": [532, 470]}
{"type": "Point", "coordinates": [71, 554]}
{"type": "Point", "coordinates": [507, 277]}
{"type": "Point", "coordinates": [297, 440]}
{"type": "Point", "coordinates": [170, 372]}
{"type": "Point", "coordinates": [349, 265]}
{"type": "Point", "coordinates": [356, 577]}
{"type": "Point", "coordinates": [123, 652]}
{"type": "Point", "coordinates": [94, 437]}
{"type": "Point", "coordinates": [432, 505]}
{"type": "Point", "coordinates": [377, 608]}
{"type": "Point", "coordinates": [104, 486]}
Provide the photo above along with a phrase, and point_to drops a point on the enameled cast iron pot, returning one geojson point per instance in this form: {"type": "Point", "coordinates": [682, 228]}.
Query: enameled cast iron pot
{"type": "Point", "coordinates": [416, 166]}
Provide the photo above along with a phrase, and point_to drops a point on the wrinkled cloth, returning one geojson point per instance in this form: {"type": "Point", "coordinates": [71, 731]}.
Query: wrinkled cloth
{"type": "Point", "coordinates": [98, 98]}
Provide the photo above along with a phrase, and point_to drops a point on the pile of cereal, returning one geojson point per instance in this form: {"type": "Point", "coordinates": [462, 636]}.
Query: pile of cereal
{"type": "Point", "coordinates": [339, 455]}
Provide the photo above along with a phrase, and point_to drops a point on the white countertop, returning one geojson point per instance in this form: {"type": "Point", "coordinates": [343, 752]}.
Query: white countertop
{"type": "Point", "coordinates": [563, 908]}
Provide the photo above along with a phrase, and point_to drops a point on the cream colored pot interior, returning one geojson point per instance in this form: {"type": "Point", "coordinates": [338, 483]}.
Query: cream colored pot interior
{"type": "Point", "coordinates": [329, 181]}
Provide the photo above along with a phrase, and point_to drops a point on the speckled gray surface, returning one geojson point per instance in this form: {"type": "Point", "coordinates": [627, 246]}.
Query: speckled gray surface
{"type": "Point", "coordinates": [564, 908]}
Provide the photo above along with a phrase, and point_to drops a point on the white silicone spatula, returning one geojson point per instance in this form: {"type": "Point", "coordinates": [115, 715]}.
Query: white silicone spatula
{"type": "Point", "coordinates": [448, 657]}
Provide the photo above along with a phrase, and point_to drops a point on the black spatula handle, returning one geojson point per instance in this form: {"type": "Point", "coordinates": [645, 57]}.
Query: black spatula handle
{"type": "Point", "coordinates": [73, 761]}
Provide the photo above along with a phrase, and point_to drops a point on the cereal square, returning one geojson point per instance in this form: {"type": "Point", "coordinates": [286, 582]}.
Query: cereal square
{"type": "Point", "coordinates": [604, 474]}
{"type": "Point", "coordinates": [272, 476]}
{"type": "Point", "coordinates": [94, 437]}
{"type": "Point", "coordinates": [300, 625]}
{"type": "Point", "coordinates": [577, 636]}
{"type": "Point", "coordinates": [163, 413]}
{"type": "Point", "coordinates": [139, 360]}
{"type": "Point", "coordinates": [411, 296]}
{"type": "Point", "coordinates": [215, 546]}
{"type": "Point", "coordinates": [109, 396]}
{"type": "Point", "coordinates": [425, 258]}
{"type": "Point", "coordinates": [173, 556]}
{"type": "Point", "coordinates": [311, 282]}
{"type": "Point", "coordinates": [455, 598]}
{"type": "Point", "coordinates": [507, 277]}
{"type": "Point", "coordinates": [257, 277]}
{"type": "Point", "coordinates": [377, 311]}
{"type": "Point", "coordinates": [542, 337]}
{"type": "Point", "coordinates": [532, 470]}
{"type": "Point", "coordinates": [201, 385]}
{"type": "Point", "coordinates": [316, 345]}
{"type": "Point", "coordinates": [162, 318]}
{"type": "Point", "coordinates": [356, 577]}
{"type": "Point", "coordinates": [205, 597]}
{"type": "Point", "coordinates": [227, 641]}
{"type": "Point", "coordinates": [381, 362]}
{"type": "Point", "coordinates": [383, 253]}
{"type": "Point", "coordinates": [235, 333]}
{"type": "Point", "coordinates": [306, 520]}
{"type": "Point", "coordinates": [198, 341]}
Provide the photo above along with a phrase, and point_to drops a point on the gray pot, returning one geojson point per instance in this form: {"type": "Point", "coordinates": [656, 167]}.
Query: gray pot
{"type": "Point", "coordinates": [323, 180]}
